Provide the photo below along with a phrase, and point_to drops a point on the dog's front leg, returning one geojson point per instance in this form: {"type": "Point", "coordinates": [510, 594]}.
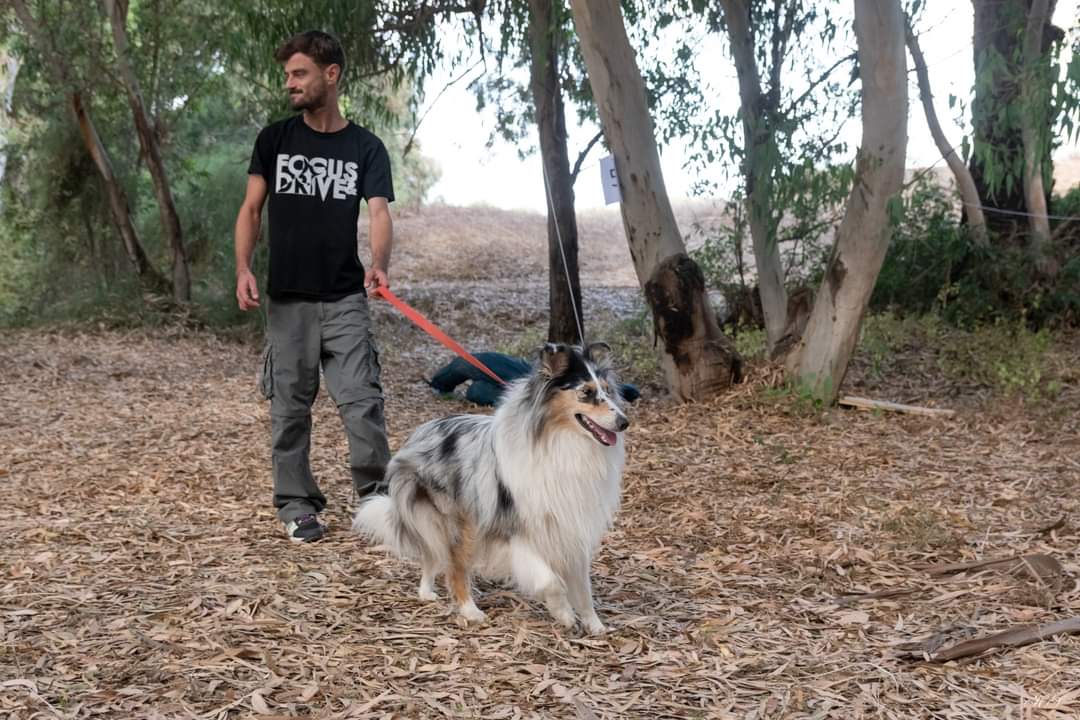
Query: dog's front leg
{"type": "Point", "coordinates": [579, 588]}
{"type": "Point", "coordinates": [535, 577]}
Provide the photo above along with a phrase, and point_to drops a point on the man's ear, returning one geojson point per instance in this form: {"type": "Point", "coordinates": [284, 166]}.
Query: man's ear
{"type": "Point", "coordinates": [554, 359]}
{"type": "Point", "coordinates": [333, 73]}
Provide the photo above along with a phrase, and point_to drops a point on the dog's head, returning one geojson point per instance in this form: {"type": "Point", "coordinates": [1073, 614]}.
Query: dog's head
{"type": "Point", "coordinates": [581, 392]}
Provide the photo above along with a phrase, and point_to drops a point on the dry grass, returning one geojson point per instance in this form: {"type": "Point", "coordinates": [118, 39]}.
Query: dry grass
{"type": "Point", "coordinates": [453, 244]}
{"type": "Point", "coordinates": [144, 575]}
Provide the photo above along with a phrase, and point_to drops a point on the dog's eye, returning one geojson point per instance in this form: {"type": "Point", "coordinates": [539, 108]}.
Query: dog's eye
{"type": "Point", "coordinates": [589, 395]}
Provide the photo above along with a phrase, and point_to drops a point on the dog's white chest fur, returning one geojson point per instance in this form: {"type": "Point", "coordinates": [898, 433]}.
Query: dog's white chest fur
{"type": "Point", "coordinates": [566, 492]}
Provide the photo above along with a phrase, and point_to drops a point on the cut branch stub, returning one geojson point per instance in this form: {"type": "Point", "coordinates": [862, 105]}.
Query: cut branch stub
{"type": "Point", "coordinates": [684, 321]}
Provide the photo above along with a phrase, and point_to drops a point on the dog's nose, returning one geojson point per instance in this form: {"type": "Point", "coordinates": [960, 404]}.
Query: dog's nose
{"type": "Point", "coordinates": [621, 423]}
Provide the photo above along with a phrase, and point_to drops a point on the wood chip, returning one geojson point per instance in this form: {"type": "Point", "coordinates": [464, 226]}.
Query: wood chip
{"type": "Point", "coordinates": [145, 575]}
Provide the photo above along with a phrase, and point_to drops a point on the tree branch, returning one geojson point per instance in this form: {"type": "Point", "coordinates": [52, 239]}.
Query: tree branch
{"type": "Point", "coordinates": [416, 127]}
{"type": "Point", "coordinates": [813, 86]}
{"type": "Point", "coordinates": [965, 184]}
{"type": "Point", "coordinates": [582, 155]}
{"type": "Point", "coordinates": [408, 23]}
{"type": "Point", "coordinates": [780, 37]}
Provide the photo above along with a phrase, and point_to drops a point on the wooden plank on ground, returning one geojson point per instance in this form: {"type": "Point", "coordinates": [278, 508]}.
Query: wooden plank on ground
{"type": "Point", "coordinates": [868, 404]}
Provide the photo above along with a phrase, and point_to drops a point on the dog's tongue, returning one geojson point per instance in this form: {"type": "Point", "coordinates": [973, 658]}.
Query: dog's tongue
{"type": "Point", "coordinates": [606, 436]}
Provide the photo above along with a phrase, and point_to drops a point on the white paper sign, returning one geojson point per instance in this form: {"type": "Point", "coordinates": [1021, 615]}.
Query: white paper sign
{"type": "Point", "coordinates": [610, 180]}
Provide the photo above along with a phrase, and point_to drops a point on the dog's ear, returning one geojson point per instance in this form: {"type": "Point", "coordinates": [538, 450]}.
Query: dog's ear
{"type": "Point", "coordinates": [599, 354]}
{"type": "Point", "coordinates": [554, 359]}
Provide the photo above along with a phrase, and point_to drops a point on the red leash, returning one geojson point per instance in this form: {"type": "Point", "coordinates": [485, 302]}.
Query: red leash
{"type": "Point", "coordinates": [427, 326]}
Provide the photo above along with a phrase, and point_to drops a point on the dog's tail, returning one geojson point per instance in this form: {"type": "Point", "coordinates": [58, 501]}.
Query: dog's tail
{"type": "Point", "coordinates": [376, 520]}
{"type": "Point", "coordinates": [406, 521]}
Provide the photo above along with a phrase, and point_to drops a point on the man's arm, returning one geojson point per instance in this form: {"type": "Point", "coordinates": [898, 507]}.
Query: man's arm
{"type": "Point", "coordinates": [381, 235]}
{"type": "Point", "coordinates": [247, 234]}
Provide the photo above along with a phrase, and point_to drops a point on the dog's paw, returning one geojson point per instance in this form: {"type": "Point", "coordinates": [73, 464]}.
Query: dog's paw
{"type": "Point", "coordinates": [593, 626]}
{"type": "Point", "coordinates": [472, 614]}
{"type": "Point", "coordinates": [564, 619]}
{"type": "Point", "coordinates": [427, 594]}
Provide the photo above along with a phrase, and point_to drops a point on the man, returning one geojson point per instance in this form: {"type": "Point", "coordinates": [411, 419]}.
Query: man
{"type": "Point", "coordinates": [314, 167]}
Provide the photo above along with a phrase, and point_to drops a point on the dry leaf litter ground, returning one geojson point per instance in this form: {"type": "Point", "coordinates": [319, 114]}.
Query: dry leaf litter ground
{"type": "Point", "coordinates": [766, 563]}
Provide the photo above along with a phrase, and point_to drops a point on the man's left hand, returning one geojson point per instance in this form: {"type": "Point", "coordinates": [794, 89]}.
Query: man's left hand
{"type": "Point", "coordinates": [376, 278]}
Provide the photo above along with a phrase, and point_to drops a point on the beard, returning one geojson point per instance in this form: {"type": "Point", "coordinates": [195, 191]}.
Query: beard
{"type": "Point", "coordinates": [313, 99]}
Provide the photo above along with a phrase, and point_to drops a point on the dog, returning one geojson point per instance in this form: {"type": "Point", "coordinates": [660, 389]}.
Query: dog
{"type": "Point", "coordinates": [522, 495]}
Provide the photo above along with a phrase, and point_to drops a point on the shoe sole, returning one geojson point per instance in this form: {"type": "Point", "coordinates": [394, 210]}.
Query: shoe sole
{"type": "Point", "coordinates": [313, 538]}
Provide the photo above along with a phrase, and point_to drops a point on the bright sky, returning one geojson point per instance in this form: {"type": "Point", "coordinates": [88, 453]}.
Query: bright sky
{"type": "Point", "coordinates": [473, 174]}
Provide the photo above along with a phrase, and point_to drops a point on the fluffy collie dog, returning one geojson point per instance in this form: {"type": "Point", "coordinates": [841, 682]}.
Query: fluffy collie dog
{"type": "Point", "coordinates": [523, 495]}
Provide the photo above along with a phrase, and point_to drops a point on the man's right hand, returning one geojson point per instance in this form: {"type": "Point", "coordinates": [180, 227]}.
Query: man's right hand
{"type": "Point", "coordinates": [247, 291]}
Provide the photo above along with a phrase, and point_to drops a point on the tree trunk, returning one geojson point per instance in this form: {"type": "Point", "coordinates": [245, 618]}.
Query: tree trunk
{"type": "Point", "coordinates": [997, 43]}
{"type": "Point", "coordinates": [170, 220]}
{"type": "Point", "coordinates": [1036, 98]}
{"type": "Point", "coordinates": [698, 360]}
{"type": "Point", "coordinates": [8, 73]}
{"type": "Point", "coordinates": [965, 184]}
{"type": "Point", "coordinates": [820, 360]}
{"type": "Point", "coordinates": [759, 156]}
{"type": "Point", "coordinates": [563, 281]}
{"type": "Point", "coordinates": [118, 205]}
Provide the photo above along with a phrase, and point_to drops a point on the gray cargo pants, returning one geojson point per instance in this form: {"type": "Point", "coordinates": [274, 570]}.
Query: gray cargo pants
{"type": "Point", "coordinates": [336, 335]}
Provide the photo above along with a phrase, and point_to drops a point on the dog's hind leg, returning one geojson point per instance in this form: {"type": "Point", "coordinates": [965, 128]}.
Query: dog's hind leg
{"type": "Point", "coordinates": [535, 577]}
{"type": "Point", "coordinates": [429, 570]}
{"type": "Point", "coordinates": [457, 575]}
{"type": "Point", "coordinates": [579, 588]}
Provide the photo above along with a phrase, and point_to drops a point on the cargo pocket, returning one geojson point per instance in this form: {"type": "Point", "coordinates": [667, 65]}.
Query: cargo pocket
{"type": "Point", "coordinates": [266, 376]}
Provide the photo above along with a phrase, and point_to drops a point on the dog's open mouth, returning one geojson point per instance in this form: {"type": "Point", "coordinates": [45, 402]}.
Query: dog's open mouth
{"type": "Point", "coordinates": [602, 434]}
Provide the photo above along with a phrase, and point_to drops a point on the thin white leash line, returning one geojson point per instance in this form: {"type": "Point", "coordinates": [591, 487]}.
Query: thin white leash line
{"type": "Point", "coordinates": [566, 269]}
{"type": "Point", "coordinates": [562, 253]}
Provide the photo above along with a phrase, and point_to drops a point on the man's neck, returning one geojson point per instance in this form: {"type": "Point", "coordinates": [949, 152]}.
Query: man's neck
{"type": "Point", "coordinates": [326, 119]}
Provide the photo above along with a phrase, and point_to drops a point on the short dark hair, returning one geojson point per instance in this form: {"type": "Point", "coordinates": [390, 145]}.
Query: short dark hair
{"type": "Point", "coordinates": [321, 47]}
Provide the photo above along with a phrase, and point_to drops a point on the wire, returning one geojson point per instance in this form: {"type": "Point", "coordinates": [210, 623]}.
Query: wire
{"type": "Point", "coordinates": [1021, 213]}
{"type": "Point", "coordinates": [562, 253]}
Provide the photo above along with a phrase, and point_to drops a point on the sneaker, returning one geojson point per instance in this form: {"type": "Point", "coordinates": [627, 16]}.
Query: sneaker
{"type": "Point", "coordinates": [305, 528]}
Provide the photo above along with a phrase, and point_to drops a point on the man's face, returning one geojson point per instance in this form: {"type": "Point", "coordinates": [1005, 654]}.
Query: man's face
{"type": "Point", "coordinates": [306, 82]}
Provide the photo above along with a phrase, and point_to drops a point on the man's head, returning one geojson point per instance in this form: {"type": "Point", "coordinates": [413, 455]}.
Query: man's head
{"type": "Point", "coordinates": [314, 63]}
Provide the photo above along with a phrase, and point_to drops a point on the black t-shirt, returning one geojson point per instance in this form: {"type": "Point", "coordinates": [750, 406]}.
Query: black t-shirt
{"type": "Point", "coordinates": [315, 181]}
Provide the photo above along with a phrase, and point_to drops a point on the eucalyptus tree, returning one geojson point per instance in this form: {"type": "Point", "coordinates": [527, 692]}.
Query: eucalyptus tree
{"type": "Point", "coordinates": [9, 73]}
{"type": "Point", "coordinates": [1019, 104]}
{"type": "Point", "coordinates": [533, 76]}
{"type": "Point", "coordinates": [124, 61]}
{"type": "Point", "coordinates": [965, 183]}
{"type": "Point", "coordinates": [698, 360]}
{"type": "Point", "coordinates": [819, 361]}
{"type": "Point", "coordinates": [549, 38]}
{"type": "Point", "coordinates": [790, 108]}
{"type": "Point", "coordinates": [66, 43]}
